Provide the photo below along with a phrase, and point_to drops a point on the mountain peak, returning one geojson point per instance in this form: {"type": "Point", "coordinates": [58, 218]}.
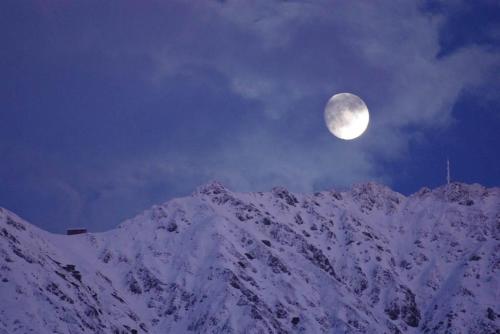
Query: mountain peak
{"type": "Point", "coordinates": [462, 193]}
{"type": "Point", "coordinates": [373, 187]}
{"type": "Point", "coordinates": [213, 187]}
{"type": "Point", "coordinates": [284, 194]}
{"type": "Point", "coordinates": [372, 195]}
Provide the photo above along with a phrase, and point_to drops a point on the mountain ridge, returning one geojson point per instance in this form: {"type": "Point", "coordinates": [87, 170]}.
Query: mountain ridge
{"type": "Point", "coordinates": [365, 260]}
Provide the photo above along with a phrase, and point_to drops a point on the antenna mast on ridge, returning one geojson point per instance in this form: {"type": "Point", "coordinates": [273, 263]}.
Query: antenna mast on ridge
{"type": "Point", "coordinates": [448, 171]}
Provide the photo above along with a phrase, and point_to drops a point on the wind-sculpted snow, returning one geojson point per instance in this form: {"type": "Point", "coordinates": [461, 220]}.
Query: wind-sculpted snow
{"type": "Point", "coordinates": [367, 260]}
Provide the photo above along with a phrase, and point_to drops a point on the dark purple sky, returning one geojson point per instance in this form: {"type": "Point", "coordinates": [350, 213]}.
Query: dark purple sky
{"type": "Point", "coordinates": [108, 107]}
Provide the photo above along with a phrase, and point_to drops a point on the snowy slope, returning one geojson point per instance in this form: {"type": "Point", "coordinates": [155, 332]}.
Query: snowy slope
{"type": "Point", "coordinates": [368, 260]}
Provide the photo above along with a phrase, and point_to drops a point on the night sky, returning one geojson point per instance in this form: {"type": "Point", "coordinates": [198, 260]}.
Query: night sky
{"type": "Point", "coordinates": [109, 107]}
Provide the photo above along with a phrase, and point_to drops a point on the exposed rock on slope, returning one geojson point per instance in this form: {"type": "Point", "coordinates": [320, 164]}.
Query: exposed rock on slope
{"type": "Point", "coordinates": [368, 260]}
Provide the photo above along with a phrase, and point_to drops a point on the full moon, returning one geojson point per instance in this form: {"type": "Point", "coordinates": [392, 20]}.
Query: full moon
{"type": "Point", "coordinates": [346, 116]}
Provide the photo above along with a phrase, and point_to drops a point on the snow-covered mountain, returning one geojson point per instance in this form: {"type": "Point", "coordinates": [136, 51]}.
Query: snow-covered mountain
{"type": "Point", "coordinates": [367, 260]}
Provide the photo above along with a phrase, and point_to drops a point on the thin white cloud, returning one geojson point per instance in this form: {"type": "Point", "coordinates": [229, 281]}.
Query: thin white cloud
{"type": "Point", "coordinates": [384, 51]}
{"type": "Point", "coordinates": [281, 54]}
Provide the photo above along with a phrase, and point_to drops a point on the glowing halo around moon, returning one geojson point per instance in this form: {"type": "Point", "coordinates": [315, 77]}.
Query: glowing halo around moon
{"type": "Point", "coordinates": [346, 116]}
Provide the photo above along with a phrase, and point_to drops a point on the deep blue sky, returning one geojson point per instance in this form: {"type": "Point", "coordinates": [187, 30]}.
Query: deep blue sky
{"type": "Point", "coordinates": [108, 107]}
